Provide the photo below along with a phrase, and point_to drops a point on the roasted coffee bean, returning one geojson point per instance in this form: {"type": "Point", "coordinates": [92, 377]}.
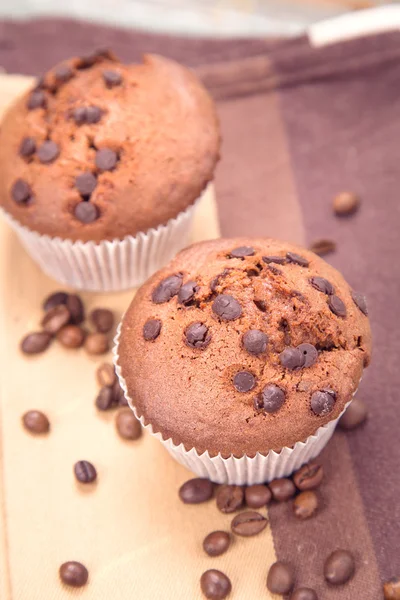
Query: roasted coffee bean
{"type": "Point", "coordinates": [196, 491]}
{"type": "Point", "coordinates": [244, 381]}
{"type": "Point", "coordinates": [229, 498]}
{"type": "Point", "coordinates": [279, 260]}
{"type": "Point", "coordinates": [391, 589]}
{"type": "Point", "coordinates": [102, 319]}
{"type": "Point", "coordinates": [112, 78]}
{"type": "Point", "coordinates": [119, 396]}
{"type": "Point", "coordinates": [292, 257]}
{"type": "Point", "coordinates": [355, 415]}
{"type": "Point", "coordinates": [215, 585]}
{"type": "Point", "coordinates": [226, 307]}
{"type": "Point", "coordinates": [304, 594]}
{"type": "Point", "coordinates": [242, 252]}
{"type": "Point", "coordinates": [187, 292]}
{"type": "Point", "coordinates": [322, 285]}
{"type": "Point", "coordinates": [197, 335]}
{"type": "Point", "coordinates": [280, 578]}
{"type": "Point", "coordinates": [292, 359]}
{"type": "Point", "coordinates": [216, 543]}
{"type": "Point", "coordinates": [106, 159]}
{"type": "Point", "coordinates": [97, 343]}
{"type": "Point", "coordinates": [248, 523]}
{"type": "Point", "coordinates": [86, 183]}
{"type": "Point", "coordinates": [308, 477]}
{"type": "Point", "coordinates": [310, 354]}
{"type": "Point", "coordinates": [86, 212]}
{"type": "Point", "coordinates": [360, 301]}
{"type": "Point", "coordinates": [63, 73]}
{"type": "Point", "coordinates": [21, 192]}
{"type": "Point", "coordinates": [345, 204]}
{"type": "Point", "coordinates": [167, 289]}
{"type": "Point", "coordinates": [339, 567]}
{"type": "Point", "coordinates": [305, 505]}
{"type": "Point", "coordinates": [37, 342]}
{"type": "Point", "coordinates": [54, 300]}
{"type": "Point", "coordinates": [36, 422]}
{"type": "Point", "coordinates": [55, 318]}
{"type": "Point", "coordinates": [282, 489]}
{"type": "Point", "coordinates": [271, 399]}
{"type": "Point", "coordinates": [27, 147]}
{"type": "Point", "coordinates": [48, 152]}
{"type": "Point", "coordinates": [337, 306]}
{"type": "Point", "coordinates": [36, 99]}
{"type": "Point", "coordinates": [257, 496]}
{"type": "Point", "coordinates": [322, 402]}
{"type": "Point", "coordinates": [105, 398]}
{"type": "Point", "coordinates": [85, 471]}
{"type": "Point", "coordinates": [74, 574]}
{"type": "Point", "coordinates": [106, 375]}
{"type": "Point", "coordinates": [128, 427]}
{"type": "Point", "coordinates": [71, 336]}
{"type": "Point", "coordinates": [93, 114]}
{"type": "Point", "coordinates": [76, 309]}
{"type": "Point", "coordinates": [255, 341]}
{"type": "Point", "coordinates": [323, 247]}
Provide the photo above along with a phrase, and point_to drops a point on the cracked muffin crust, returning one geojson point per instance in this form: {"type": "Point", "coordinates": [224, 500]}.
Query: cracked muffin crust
{"type": "Point", "coordinates": [99, 150]}
{"type": "Point", "coordinates": [241, 346]}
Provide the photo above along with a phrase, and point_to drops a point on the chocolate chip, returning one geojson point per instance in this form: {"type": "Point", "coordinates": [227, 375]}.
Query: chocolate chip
{"type": "Point", "coordinates": [112, 78]}
{"type": "Point", "coordinates": [274, 270]}
{"type": "Point", "coordinates": [229, 498]}
{"type": "Point", "coordinates": [127, 425]}
{"type": "Point", "coordinates": [248, 523]}
{"type": "Point", "coordinates": [360, 301]}
{"type": "Point", "coordinates": [86, 212]}
{"type": "Point", "coordinates": [79, 115]}
{"type": "Point", "coordinates": [226, 307]}
{"type": "Point", "coordinates": [74, 574]}
{"type": "Point", "coordinates": [310, 354]}
{"type": "Point", "coordinates": [102, 319]}
{"type": "Point", "coordinates": [85, 62]}
{"type": "Point", "coordinates": [105, 398]}
{"type": "Point", "coordinates": [196, 491]}
{"type": "Point", "coordinates": [55, 318]}
{"type": "Point", "coordinates": [215, 585]}
{"type": "Point", "coordinates": [244, 381]}
{"type": "Point", "coordinates": [93, 115]}
{"type": "Point", "coordinates": [339, 567]}
{"type": "Point", "coordinates": [21, 192]}
{"type": "Point", "coordinates": [355, 415]}
{"type": "Point", "coordinates": [63, 73]}
{"type": "Point", "coordinates": [257, 496]}
{"type": "Point", "coordinates": [308, 477]}
{"type": "Point", "coordinates": [391, 589]}
{"type": "Point", "coordinates": [197, 335]}
{"type": "Point", "coordinates": [292, 359]}
{"type": "Point", "coordinates": [55, 299]}
{"type": "Point", "coordinates": [255, 341]}
{"type": "Point", "coordinates": [305, 505]}
{"type": "Point", "coordinates": [297, 259]}
{"type": "Point", "coordinates": [151, 329]}
{"type": "Point", "coordinates": [279, 260]}
{"type": "Point", "coordinates": [36, 99]}
{"type": "Point", "coordinates": [48, 152]}
{"type": "Point", "coordinates": [86, 183]}
{"type": "Point", "coordinates": [242, 252]}
{"type": "Point", "coordinates": [187, 292]}
{"type": "Point", "coordinates": [35, 343]}
{"type": "Point", "coordinates": [106, 375]}
{"type": "Point", "coordinates": [167, 289]}
{"type": "Point", "coordinates": [106, 159]}
{"type": "Point", "coordinates": [280, 578]}
{"type": "Point", "coordinates": [71, 336]}
{"type": "Point", "coordinates": [36, 422]}
{"type": "Point", "coordinates": [271, 399]}
{"type": "Point", "coordinates": [76, 309]}
{"type": "Point", "coordinates": [322, 285]}
{"type": "Point", "coordinates": [337, 306]}
{"type": "Point", "coordinates": [261, 305]}
{"type": "Point", "coordinates": [304, 594]}
{"type": "Point", "coordinates": [282, 489]}
{"type": "Point", "coordinates": [97, 343]}
{"type": "Point", "coordinates": [85, 471]}
{"type": "Point", "coordinates": [216, 543]}
{"type": "Point", "coordinates": [345, 204]}
{"type": "Point", "coordinates": [217, 280]}
{"type": "Point", "coordinates": [27, 147]}
{"type": "Point", "coordinates": [322, 402]}
{"type": "Point", "coordinates": [323, 247]}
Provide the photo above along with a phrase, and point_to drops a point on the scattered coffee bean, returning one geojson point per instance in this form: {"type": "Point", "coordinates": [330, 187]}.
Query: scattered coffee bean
{"type": "Point", "coordinates": [229, 498]}
{"type": "Point", "coordinates": [215, 585]}
{"type": "Point", "coordinates": [102, 319]}
{"type": "Point", "coordinates": [337, 306]}
{"type": "Point", "coordinates": [74, 574]}
{"type": "Point", "coordinates": [305, 504]}
{"type": "Point", "coordinates": [63, 73]}
{"type": "Point", "coordinates": [297, 259]}
{"type": "Point", "coordinates": [106, 159]}
{"type": "Point", "coordinates": [48, 152]}
{"type": "Point", "coordinates": [345, 204]}
{"type": "Point", "coordinates": [97, 343]}
{"type": "Point", "coordinates": [196, 491]}
{"type": "Point", "coordinates": [85, 471]}
{"type": "Point", "coordinates": [255, 341]}
{"type": "Point", "coordinates": [391, 589]}
{"type": "Point", "coordinates": [279, 260]}
{"type": "Point", "coordinates": [197, 336]}
{"type": "Point", "coordinates": [355, 415]}
{"type": "Point", "coordinates": [271, 399]}
{"type": "Point", "coordinates": [86, 183]}
{"type": "Point", "coordinates": [257, 496]}
{"type": "Point", "coordinates": [308, 477]}
{"type": "Point", "coordinates": [27, 147]}
{"type": "Point", "coordinates": [55, 318]}
{"type": "Point", "coordinates": [310, 354]}
{"type": "Point", "coordinates": [304, 594]}
{"type": "Point", "coordinates": [152, 329]}
{"type": "Point", "coordinates": [323, 247]}
{"type": "Point", "coordinates": [322, 402]}
{"type": "Point", "coordinates": [36, 422]}
{"type": "Point", "coordinates": [244, 381]}
{"type": "Point", "coordinates": [282, 489]}
{"type": "Point", "coordinates": [167, 289]}
{"type": "Point", "coordinates": [36, 99]}
{"type": "Point", "coordinates": [187, 292]}
{"type": "Point", "coordinates": [339, 567]}
{"type": "Point", "coordinates": [54, 300]}
{"type": "Point", "coordinates": [242, 252]}
{"type": "Point", "coordinates": [292, 359]}
{"type": "Point", "coordinates": [106, 399]}
{"type": "Point", "coordinates": [119, 396]}
{"type": "Point", "coordinates": [226, 307]}
{"type": "Point", "coordinates": [216, 543]}
{"type": "Point", "coordinates": [21, 192]}
{"type": "Point", "coordinates": [71, 336]}
{"type": "Point", "coordinates": [106, 374]}
{"type": "Point", "coordinates": [86, 212]}
{"type": "Point", "coordinates": [360, 301]}
{"type": "Point", "coordinates": [37, 342]}
{"type": "Point", "coordinates": [322, 285]}
{"type": "Point", "coordinates": [128, 427]}
{"type": "Point", "coordinates": [112, 78]}
{"type": "Point", "coordinates": [93, 114]}
{"type": "Point", "coordinates": [76, 309]}
{"type": "Point", "coordinates": [248, 523]}
{"type": "Point", "coordinates": [280, 578]}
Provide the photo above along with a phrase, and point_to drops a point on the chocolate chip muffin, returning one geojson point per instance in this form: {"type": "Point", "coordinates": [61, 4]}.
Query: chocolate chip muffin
{"type": "Point", "coordinates": [243, 346]}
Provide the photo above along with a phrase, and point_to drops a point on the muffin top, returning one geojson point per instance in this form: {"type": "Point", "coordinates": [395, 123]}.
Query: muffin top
{"type": "Point", "coordinates": [241, 346]}
{"type": "Point", "coordinates": [100, 150]}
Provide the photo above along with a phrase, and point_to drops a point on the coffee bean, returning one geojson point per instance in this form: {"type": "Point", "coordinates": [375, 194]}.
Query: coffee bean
{"type": "Point", "coordinates": [280, 578]}
{"type": "Point", "coordinates": [271, 399]}
{"type": "Point", "coordinates": [248, 523]}
{"type": "Point", "coordinates": [37, 342]}
{"type": "Point", "coordinates": [71, 336]}
{"type": "Point", "coordinates": [86, 212]}
{"type": "Point", "coordinates": [292, 359]}
{"type": "Point", "coordinates": [310, 354]}
{"type": "Point", "coordinates": [36, 422]}
{"type": "Point", "coordinates": [279, 260]}
{"type": "Point", "coordinates": [106, 399]}
{"type": "Point", "coordinates": [215, 585]}
{"type": "Point", "coordinates": [337, 306]}
{"type": "Point", "coordinates": [27, 147]}
{"type": "Point", "coordinates": [151, 329]}
{"type": "Point", "coordinates": [322, 402]}
{"type": "Point", "coordinates": [76, 309]}
{"type": "Point", "coordinates": [197, 335]}
{"type": "Point", "coordinates": [79, 115]}
{"type": "Point", "coordinates": [323, 247]}
{"type": "Point", "coordinates": [305, 505]}
{"type": "Point", "coordinates": [106, 159]}
{"type": "Point", "coordinates": [36, 99]}
{"type": "Point", "coordinates": [391, 589]}
{"type": "Point", "coordinates": [244, 381]}
{"type": "Point", "coordinates": [119, 395]}
{"type": "Point", "coordinates": [339, 567]}
{"type": "Point", "coordinates": [292, 257]}
{"type": "Point", "coordinates": [55, 299]}
{"type": "Point", "coordinates": [187, 292]}
{"type": "Point", "coordinates": [102, 319]}
{"type": "Point", "coordinates": [21, 192]}
{"type": "Point", "coordinates": [85, 471]}
{"type": "Point", "coordinates": [360, 301]}
{"type": "Point", "coordinates": [55, 318]}
{"type": "Point", "coordinates": [86, 183]}
{"type": "Point", "coordinates": [322, 285]}
{"type": "Point", "coordinates": [257, 496]}
{"type": "Point", "coordinates": [226, 307]}
{"type": "Point", "coordinates": [242, 252]}
{"type": "Point", "coordinates": [229, 498]}
{"type": "Point", "coordinates": [304, 594]}
{"type": "Point", "coordinates": [93, 114]}
{"type": "Point", "coordinates": [282, 489]}
{"type": "Point", "coordinates": [74, 574]}
{"type": "Point", "coordinates": [196, 491]}
{"type": "Point", "coordinates": [48, 152]}
{"type": "Point", "coordinates": [128, 427]}
{"type": "Point", "coordinates": [106, 375]}
{"type": "Point", "coordinates": [255, 341]}
{"type": "Point", "coordinates": [308, 477]}
{"type": "Point", "coordinates": [97, 343]}
{"type": "Point", "coordinates": [167, 289]}
{"type": "Point", "coordinates": [216, 543]}
{"type": "Point", "coordinates": [112, 78]}
{"type": "Point", "coordinates": [355, 415]}
{"type": "Point", "coordinates": [345, 204]}
{"type": "Point", "coordinates": [63, 73]}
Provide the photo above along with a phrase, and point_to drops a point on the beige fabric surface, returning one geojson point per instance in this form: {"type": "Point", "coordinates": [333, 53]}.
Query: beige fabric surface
{"type": "Point", "coordinates": [130, 529]}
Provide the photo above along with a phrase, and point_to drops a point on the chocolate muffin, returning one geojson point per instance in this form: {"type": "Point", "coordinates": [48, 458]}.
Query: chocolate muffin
{"type": "Point", "coordinates": [243, 346]}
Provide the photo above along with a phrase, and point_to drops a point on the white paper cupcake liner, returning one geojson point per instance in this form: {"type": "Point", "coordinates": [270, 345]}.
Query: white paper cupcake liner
{"type": "Point", "coordinates": [245, 470]}
{"type": "Point", "coordinates": [108, 265]}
